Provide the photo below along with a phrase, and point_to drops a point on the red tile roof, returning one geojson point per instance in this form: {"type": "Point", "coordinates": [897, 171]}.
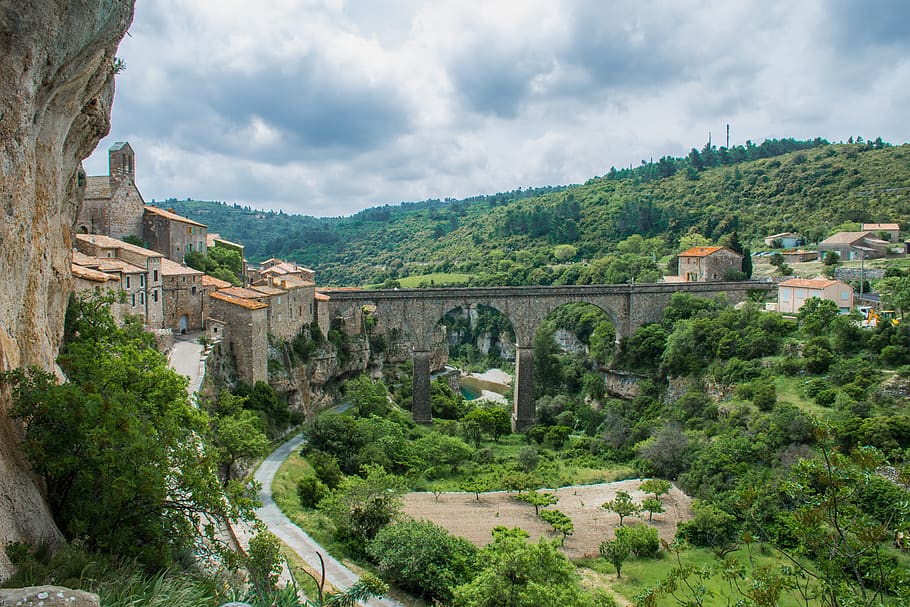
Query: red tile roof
{"type": "Point", "coordinates": [700, 251]}
{"type": "Point", "coordinates": [172, 216]}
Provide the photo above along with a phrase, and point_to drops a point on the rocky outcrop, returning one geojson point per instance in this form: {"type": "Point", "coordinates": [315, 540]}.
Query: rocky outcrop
{"type": "Point", "coordinates": [56, 87]}
{"type": "Point", "coordinates": [47, 596]}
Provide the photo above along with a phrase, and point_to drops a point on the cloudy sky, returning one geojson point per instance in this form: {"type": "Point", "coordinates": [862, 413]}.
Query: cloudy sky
{"type": "Point", "coordinates": [326, 107]}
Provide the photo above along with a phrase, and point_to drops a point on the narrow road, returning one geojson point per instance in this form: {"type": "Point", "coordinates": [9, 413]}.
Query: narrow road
{"type": "Point", "coordinates": [186, 359]}
{"type": "Point", "coordinates": [292, 535]}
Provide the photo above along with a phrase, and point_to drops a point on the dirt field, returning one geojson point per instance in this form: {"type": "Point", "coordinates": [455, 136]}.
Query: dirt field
{"type": "Point", "coordinates": [474, 520]}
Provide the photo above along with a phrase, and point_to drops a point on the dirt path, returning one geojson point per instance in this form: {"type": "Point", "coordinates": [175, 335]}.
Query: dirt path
{"type": "Point", "coordinates": [474, 520]}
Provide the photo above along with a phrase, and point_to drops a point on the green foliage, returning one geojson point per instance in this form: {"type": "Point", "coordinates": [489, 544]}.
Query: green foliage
{"type": "Point", "coordinates": [516, 573]}
{"type": "Point", "coordinates": [493, 421]}
{"type": "Point", "coordinates": [239, 438]}
{"type": "Point", "coordinates": [622, 505]}
{"type": "Point", "coordinates": [537, 499]}
{"type": "Point", "coordinates": [219, 262]}
{"type": "Point", "coordinates": [642, 539]}
{"type": "Point", "coordinates": [616, 551]}
{"type": "Point", "coordinates": [445, 403]}
{"type": "Point", "coordinates": [652, 506]}
{"type": "Point", "coordinates": [311, 491]}
{"type": "Point", "coordinates": [816, 315]}
{"type": "Point", "coordinates": [560, 522]}
{"type": "Point", "coordinates": [438, 450]}
{"type": "Point", "coordinates": [656, 487]}
{"type": "Point", "coordinates": [361, 506]}
{"type": "Point", "coordinates": [119, 446]}
{"type": "Point", "coordinates": [264, 562]}
{"type": "Point", "coordinates": [367, 396]}
{"type": "Point", "coordinates": [710, 527]}
{"type": "Point", "coordinates": [262, 398]}
{"type": "Point", "coordinates": [423, 558]}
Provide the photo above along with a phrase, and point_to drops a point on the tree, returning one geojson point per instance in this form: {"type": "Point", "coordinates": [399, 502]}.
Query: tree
{"type": "Point", "coordinates": [119, 446]}
{"type": "Point", "coordinates": [656, 487]}
{"type": "Point", "coordinates": [516, 573]}
{"type": "Point", "coordinates": [816, 314]}
{"type": "Point", "coordinates": [361, 506]}
{"type": "Point", "coordinates": [652, 506]}
{"type": "Point", "coordinates": [667, 451]}
{"type": "Point", "coordinates": [560, 523]}
{"type": "Point", "coordinates": [239, 438]}
{"type": "Point", "coordinates": [440, 450]}
{"type": "Point", "coordinates": [616, 551]}
{"type": "Point", "coordinates": [423, 558]}
{"type": "Point", "coordinates": [368, 397]}
{"type": "Point", "coordinates": [831, 258]}
{"type": "Point", "coordinates": [495, 421]}
{"type": "Point", "coordinates": [896, 291]}
{"type": "Point", "coordinates": [623, 505]}
{"type": "Point", "coordinates": [537, 499]}
{"type": "Point", "coordinates": [475, 486]}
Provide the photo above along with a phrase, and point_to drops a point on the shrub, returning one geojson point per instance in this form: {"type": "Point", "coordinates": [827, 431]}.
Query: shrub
{"type": "Point", "coordinates": [311, 491]}
{"type": "Point", "coordinates": [642, 539]}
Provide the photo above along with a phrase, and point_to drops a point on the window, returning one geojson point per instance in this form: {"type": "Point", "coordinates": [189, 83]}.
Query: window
{"type": "Point", "coordinates": [845, 295]}
{"type": "Point", "coordinates": [141, 298]}
{"type": "Point", "coordinates": [189, 248]}
{"type": "Point", "coordinates": [194, 290]}
{"type": "Point", "coordinates": [128, 284]}
{"type": "Point", "coordinates": [133, 302]}
{"type": "Point", "coordinates": [155, 276]}
{"type": "Point", "coordinates": [142, 280]}
{"type": "Point", "coordinates": [785, 294]}
{"type": "Point", "coordinates": [155, 295]}
{"type": "Point", "coordinates": [189, 229]}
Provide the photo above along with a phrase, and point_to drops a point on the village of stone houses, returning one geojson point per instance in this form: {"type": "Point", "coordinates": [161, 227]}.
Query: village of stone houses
{"type": "Point", "coordinates": [168, 296]}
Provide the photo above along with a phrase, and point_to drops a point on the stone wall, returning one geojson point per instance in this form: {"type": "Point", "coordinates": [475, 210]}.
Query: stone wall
{"type": "Point", "coordinates": [56, 88]}
{"type": "Point", "coordinates": [291, 311]}
{"type": "Point", "coordinates": [183, 296]}
{"type": "Point", "coordinates": [246, 338]}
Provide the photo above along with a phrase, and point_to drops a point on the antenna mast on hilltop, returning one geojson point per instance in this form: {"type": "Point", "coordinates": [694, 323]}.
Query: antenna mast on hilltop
{"type": "Point", "coordinates": [728, 135]}
{"type": "Point", "coordinates": [709, 140]}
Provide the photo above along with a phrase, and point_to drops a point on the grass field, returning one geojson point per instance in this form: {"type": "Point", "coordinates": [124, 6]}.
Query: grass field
{"type": "Point", "coordinates": [438, 279]}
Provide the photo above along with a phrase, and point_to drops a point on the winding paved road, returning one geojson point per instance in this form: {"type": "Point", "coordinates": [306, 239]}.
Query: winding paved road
{"type": "Point", "coordinates": [335, 573]}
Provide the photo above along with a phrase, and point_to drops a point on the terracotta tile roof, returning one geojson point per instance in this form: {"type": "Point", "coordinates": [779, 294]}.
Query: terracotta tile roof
{"type": "Point", "coordinates": [172, 216]}
{"type": "Point", "coordinates": [112, 243]}
{"type": "Point", "coordinates": [97, 187]}
{"type": "Point", "coordinates": [269, 290]}
{"type": "Point", "coordinates": [172, 268]}
{"type": "Point", "coordinates": [701, 251]}
{"type": "Point", "coordinates": [112, 264]}
{"type": "Point", "coordinates": [844, 238]}
{"type": "Point", "coordinates": [211, 281]}
{"type": "Point", "coordinates": [85, 260]}
{"type": "Point", "coordinates": [90, 274]}
{"type": "Point", "coordinates": [240, 292]}
{"type": "Point", "coordinates": [809, 283]}
{"type": "Point", "coordinates": [321, 296]}
{"type": "Point", "coordinates": [249, 304]}
{"type": "Point", "coordinates": [881, 226]}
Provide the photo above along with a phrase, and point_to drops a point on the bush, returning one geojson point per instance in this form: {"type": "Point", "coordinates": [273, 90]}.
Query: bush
{"type": "Point", "coordinates": [325, 465]}
{"type": "Point", "coordinates": [642, 539]}
{"type": "Point", "coordinates": [311, 491]}
{"type": "Point", "coordinates": [423, 557]}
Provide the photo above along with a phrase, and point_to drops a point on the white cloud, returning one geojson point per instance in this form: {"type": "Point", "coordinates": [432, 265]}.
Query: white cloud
{"type": "Point", "coordinates": [328, 106]}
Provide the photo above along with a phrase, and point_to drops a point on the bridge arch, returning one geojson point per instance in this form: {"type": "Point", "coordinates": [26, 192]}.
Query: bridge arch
{"type": "Point", "coordinates": [416, 312]}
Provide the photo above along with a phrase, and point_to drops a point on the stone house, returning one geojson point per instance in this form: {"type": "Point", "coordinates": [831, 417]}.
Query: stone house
{"type": "Point", "coordinates": [853, 245]}
{"type": "Point", "coordinates": [272, 269]}
{"type": "Point", "coordinates": [881, 230]}
{"type": "Point", "coordinates": [793, 293]}
{"type": "Point", "coordinates": [799, 256]}
{"type": "Point", "coordinates": [707, 264]}
{"type": "Point", "coordinates": [173, 235]}
{"type": "Point", "coordinates": [245, 333]}
{"type": "Point", "coordinates": [210, 284]}
{"type": "Point", "coordinates": [291, 306]}
{"type": "Point", "coordinates": [323, 320]}
{"type": "Point", "coordinates": [139, 268]}
{"type": "Point", "coordinates": [112, 204]}
{"type": "Point", "coordinates": [183, 294]}
{"type": "Point", "coordinates": [89, 278]}
{"type": "Point", "coordinates": [784, 240]}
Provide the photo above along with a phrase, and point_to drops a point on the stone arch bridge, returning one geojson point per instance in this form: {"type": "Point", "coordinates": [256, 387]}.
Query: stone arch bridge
{"type": "Point", "coordinates": [415, 313]}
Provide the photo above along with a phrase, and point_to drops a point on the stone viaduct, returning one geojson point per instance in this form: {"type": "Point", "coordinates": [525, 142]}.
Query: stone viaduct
{"type": "Point", "coordinates": [414, 314]}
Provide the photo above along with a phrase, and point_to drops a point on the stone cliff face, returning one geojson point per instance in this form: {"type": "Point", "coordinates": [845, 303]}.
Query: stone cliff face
{"type": "Point", "coordinates": [56, 87]}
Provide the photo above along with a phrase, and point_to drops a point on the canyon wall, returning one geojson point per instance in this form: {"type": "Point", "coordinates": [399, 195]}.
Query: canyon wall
{"type": "Point", "coordinates": [56, 87]}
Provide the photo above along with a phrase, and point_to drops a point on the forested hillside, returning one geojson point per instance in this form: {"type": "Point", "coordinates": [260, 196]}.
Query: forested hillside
{"type": "Point", "coordinates": [581, 234]}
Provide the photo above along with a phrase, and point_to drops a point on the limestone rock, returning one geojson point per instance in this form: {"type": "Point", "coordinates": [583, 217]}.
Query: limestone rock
{"type": "Point", "coordinates": [47, 596]}
{"type": "Point", "coordinates": [56, 88]}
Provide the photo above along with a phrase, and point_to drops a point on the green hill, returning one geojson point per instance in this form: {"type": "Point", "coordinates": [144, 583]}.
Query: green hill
{"type": "Point", "coordinates": [611, 229]}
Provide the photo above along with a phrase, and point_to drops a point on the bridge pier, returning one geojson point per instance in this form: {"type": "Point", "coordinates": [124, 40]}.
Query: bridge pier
{"type": "Point", "coordinates": [524, 412]}
{"type": "Point", "coordinates": [420, 407]}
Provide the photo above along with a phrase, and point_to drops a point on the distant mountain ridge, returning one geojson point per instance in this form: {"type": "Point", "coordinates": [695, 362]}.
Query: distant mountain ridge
{"type": "Point", "coordinates": [580, 233]}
